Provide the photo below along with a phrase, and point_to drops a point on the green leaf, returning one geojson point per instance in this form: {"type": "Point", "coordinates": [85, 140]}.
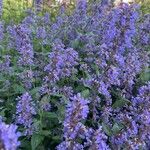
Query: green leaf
{"type": "Point", "coordinates": [57, 95]}
{"type": "Point", "coordinates": [50, 115]}
{"type": "Point", "coordinates": [75, 44]}
{"type": "Point", "coordinates": [119, 100]}
{"type": "Point", "coordinates": [96, 68]}
{"type": "Point", "coordinates": [44, 133]}
{"type": "Point", "coordinates": [145, 76]}
{"type": "Point", "coordinates": [35, 90]}
{"type": "Point", "coordinates": [116, 128]}
{"type": "Point", "coordinates": [36, 123]}
{"type": "Point", "coordinates": [120, 103]}
{"type": "Point", "coordinates": [56, 138]}
{"type": "Point", "coordinates": [2, 78]}
{"type": "Point", "coordinates": [36, 140]}
{"type": "Point", "coordinates": [106, 129]}
{"type": "Point", "coordinates": [85, 93]}
{"type": "Point", "coordinates": [2, 112]}
{"type": "Point", "coordinates": [25, 144]}
{"type": "Point", "coordinates": [19, 89]}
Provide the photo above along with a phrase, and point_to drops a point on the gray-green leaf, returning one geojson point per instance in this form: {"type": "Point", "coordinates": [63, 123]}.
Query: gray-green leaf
{"type": "Point", "coordinates": [36, 140]}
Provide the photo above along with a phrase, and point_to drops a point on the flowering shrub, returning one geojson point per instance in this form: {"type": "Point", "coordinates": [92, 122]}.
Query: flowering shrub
{"type": "Point", "coordinates": [76, 82]}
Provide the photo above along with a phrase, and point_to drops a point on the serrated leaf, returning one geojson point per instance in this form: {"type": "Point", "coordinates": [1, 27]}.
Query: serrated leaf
{"type": "Point", "coordinates": [85, 93]}
{"type": "Point", "coordinates": [45, 98]}
{"type": "Point", "coordinates": [145, 76]}
{"type": "Point", "coordinates": [106, 129]}
{"type": "Point", "coordinates": [57, 95]}
{"type": "Point", "coordinates": [35, 90]}
{"type": "Point", "coordinates": [36, 123]}
{"type": "Point", "coordinates": [116, 128]}
{"type": "Point", "coordinates": [45, 132]}
{"type": "Point", "coordinates": [2, 112]}
{"type": "Point", "coordinates": [25, 144]}
{"type": "Point", "coordinates": [95, 67]}
{"type": "Point", "coordinates": [49, 115]}
{"type": "Point", "coordinates": [19, 89]}
{"type": "Point", "coordinates": [75, 44]}
{"type": "Point", "coordinates": [120, 103]}
{"type": "Point", "coordinates": [36, 140]}
{"type": "Point", "coordinates": [2, 78]}
{"type": "Point", "coordinates": [56, 138]}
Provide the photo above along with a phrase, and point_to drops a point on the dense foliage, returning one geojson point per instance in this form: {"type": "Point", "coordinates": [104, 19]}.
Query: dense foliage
{"type": "Point", "coordinates": [78, 81]}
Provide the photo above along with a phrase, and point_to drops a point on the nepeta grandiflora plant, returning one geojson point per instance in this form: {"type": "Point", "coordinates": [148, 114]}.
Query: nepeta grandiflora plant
{"type": "Point", "coordinates": [72, 82]}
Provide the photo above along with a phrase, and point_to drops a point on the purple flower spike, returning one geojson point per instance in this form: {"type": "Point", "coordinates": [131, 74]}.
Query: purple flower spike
{"type": "Point", "coordinates": [9, 136]}
{"type": "Point", "coordinates": [24, 113]}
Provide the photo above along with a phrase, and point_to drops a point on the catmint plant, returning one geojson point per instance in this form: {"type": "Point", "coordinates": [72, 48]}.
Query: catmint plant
{"type": "Point", "coordinates": [76, 80]}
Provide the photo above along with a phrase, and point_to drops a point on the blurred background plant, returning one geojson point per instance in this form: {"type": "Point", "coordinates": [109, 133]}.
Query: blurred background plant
{"type": "Point", "coordinates": [15, 9]}
{"type": "Point", "coordinates": [145, 5]}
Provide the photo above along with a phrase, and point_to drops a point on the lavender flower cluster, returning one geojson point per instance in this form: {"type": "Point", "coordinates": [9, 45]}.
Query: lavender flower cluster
{"type": "Point", "coordinates": [77, 111]}
{"type": "Point", "coordinates": [25, 111]}
{"type": "Point", "coordinates": [62, 62]}
{"type": "Point", "coordinates": [135, 119]}
{"type": "Point", "coordinates": [9, 136]}
{"type": "Point", "coordinates": [23, 45]}
{"type": "Point", "coordinates": [74, 80]}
